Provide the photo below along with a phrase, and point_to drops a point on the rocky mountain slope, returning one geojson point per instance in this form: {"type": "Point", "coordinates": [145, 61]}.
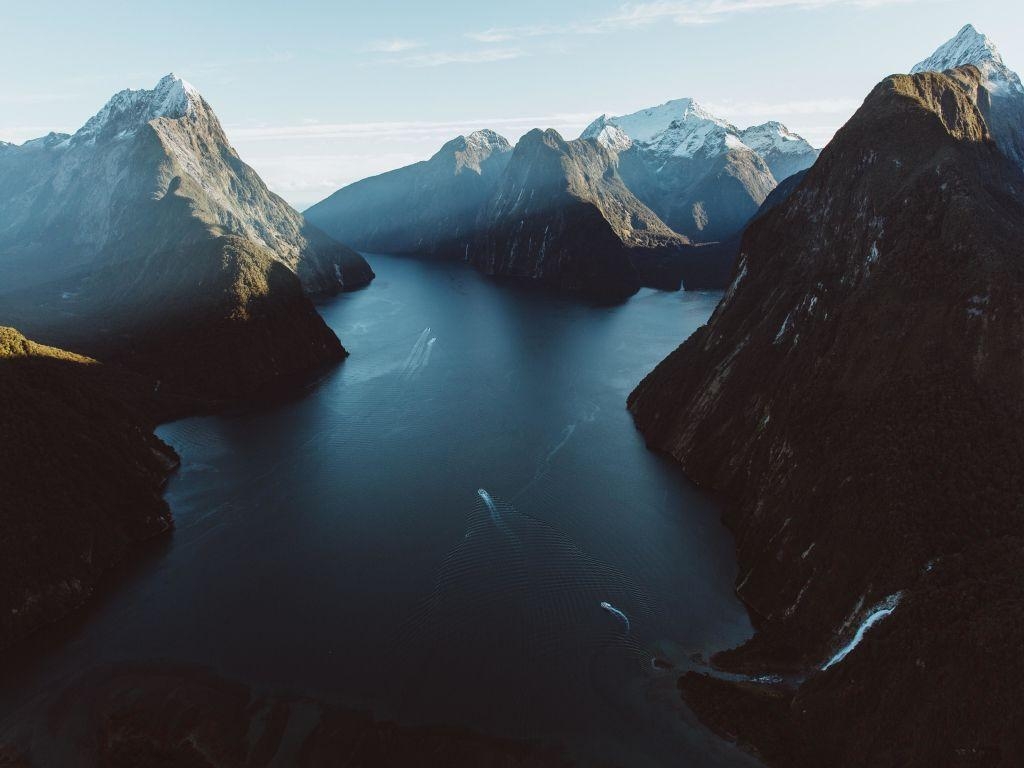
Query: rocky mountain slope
{"type": "Point", "coordinates": [660, 178]}
{"type": "Point", "coordinates": [703, 176]}
{"type": "Point", "coordinates": [146, 224]}
{"type": "Point", "coordinates": [857, 396]}
{"type": "Point", "coordinates": [81, 478]}
{"type": "Point", "coordinates": [562, 216]}
{"type": "Point", "coordinates": [428, 208]}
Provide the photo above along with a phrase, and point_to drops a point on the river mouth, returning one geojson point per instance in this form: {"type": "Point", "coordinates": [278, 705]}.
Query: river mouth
{"type": "Point", "coordinates": [432, 530]}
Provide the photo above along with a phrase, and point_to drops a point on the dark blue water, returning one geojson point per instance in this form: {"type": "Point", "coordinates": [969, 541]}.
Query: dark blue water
{"type": "Point", "coordinates": [338, 544]}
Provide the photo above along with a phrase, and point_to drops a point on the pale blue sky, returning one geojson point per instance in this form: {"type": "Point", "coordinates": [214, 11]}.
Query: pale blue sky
{"type": "Point", "coordinates": [318, 94]}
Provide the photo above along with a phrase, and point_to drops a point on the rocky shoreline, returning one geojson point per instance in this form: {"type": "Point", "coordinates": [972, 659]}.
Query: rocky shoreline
{"type": "Point", "coordinates": [163, 715]}
{"type": "Point", "coordinates": [83, 478]}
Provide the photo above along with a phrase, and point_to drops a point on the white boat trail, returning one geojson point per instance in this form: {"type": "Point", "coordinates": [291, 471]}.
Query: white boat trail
{"type": "Point", "coordinates": [616, 612]}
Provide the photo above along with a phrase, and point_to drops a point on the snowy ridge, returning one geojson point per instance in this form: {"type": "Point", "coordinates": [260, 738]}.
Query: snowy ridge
{"type": "Point", "coordinates": [773, 136]}
{"type": "Point", "coordinates": [969, 46]}
{"type": "Point", "coordinates": [485, 139]}
{"type": "Point", "coordinates": [680, 127]}
{"type": "Point", "coordinates": [128, 110]}
{"type": "Point", "coordinates": [608, 135]}
{"type": "Point", "coordinates": [684, 128]}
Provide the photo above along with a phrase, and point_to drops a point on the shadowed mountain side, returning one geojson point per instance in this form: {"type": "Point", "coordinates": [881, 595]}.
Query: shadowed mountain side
{"type": "Point", "coordinates": [856, 393]}
{"type": "Point", "coordinates": [81, 478]}
{"type": "Point", "coordinates": [233, 325]}
{"type": "Point", "coordinates": [428, 208]}
{"type": "Point", "coordinates": [710, 266]}
{"type": "Point", "coordinates": [551, 212]}
{"type": "Point", "coordinates": [704, 198]}
{"type": "Point", "coordinates": [561, 216]}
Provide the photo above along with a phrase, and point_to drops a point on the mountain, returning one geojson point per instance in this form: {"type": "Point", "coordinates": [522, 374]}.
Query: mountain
{"type": "Point", "coordinates": [637, 190]}
{"type": "Point", "coordinates": [700, 174]}
{"type": "Point", "coordinates": [429, 208]}
{"type": "Point", "coordinates": [856, 396]}
{"type": "Point", "coordinates": [81, 476]}
{"type": "Point", "coordinates": [1005, 112]}
{"type": "Point", "coordinates": [561, 216]}
{"type": "Point", "coordinates": [145, 232]}
{"type": "Point", "coordinates": [551, 211]}
{"type": "Point", "coordinates": [784, 152]}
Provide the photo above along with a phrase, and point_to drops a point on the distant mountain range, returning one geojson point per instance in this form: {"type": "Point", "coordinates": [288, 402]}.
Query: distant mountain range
{"type": "Point", "coordinates": [562, 216]}
{"type": "Point", "coordinates": [659, 181]}
{"type": "Point", "coordinates": [856, 395]}
{"type": "Point", "coordinates": [144, 235]}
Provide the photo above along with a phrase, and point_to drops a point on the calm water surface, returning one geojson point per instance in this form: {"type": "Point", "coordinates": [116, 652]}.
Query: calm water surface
{"type": "Point", "coordinates": [339, 544]}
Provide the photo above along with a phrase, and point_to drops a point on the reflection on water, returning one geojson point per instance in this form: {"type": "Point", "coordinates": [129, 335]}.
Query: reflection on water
{"type": "Point", "coordinates": [459, 524]}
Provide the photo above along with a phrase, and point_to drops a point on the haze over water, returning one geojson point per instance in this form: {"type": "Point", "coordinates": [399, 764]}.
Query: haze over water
{"type": "Point", "coordinates": [430, 531]}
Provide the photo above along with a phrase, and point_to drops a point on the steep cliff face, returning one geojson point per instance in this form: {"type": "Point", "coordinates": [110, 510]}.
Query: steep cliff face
{"type": "Point", "coordinates": [857, 395]}
{"type": "Point", "coordinates": [562, 217]}
{"type": "Point", "coordinates": [429, 208]}
{"type": "Point", "coordinates": [81, 477]}
{"type": "Point", "coordinates": [147, 216]}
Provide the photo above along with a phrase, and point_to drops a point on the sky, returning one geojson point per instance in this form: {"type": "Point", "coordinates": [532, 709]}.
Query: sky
{"type": "Point", "coordinates": [316, 95]}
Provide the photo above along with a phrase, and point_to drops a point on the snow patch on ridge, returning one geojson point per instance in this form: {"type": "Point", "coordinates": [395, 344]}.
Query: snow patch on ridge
{"type": "Point", "coordinates": [684, 128]}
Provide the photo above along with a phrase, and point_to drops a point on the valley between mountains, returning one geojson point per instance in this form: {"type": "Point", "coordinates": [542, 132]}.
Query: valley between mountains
{"type": "Point", "coordinates": [827, 344]}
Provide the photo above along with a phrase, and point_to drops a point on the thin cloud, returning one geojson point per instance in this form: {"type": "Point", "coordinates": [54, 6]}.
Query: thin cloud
{"type": "Point", "coordinates": [394, 45]}
{"type": "Point", "coordinates": [504, 34]}
{"type": "Point", "coordinates": [441, 58]}
{"type": "Point", "coordinates": [680, 12]}
{"type": "Point", "coordinates": [781, 108]}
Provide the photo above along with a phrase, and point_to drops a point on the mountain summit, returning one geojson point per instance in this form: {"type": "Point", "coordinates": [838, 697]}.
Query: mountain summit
{"type": "Point", "coordinates": [969, 46]}
{"type": "Point", "coordinates": [428, 208]}
{"type": "Point", "coordinates": [1006, 111]}
{"type": "Point", "coordinates": [129, 110]}
{"type": "Point", "coordinates": [701, 174]}
{"type": "Point", "coordinates": [146, 229]}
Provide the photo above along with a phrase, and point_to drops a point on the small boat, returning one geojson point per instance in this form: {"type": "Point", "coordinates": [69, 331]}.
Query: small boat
{"type": "Point", "coordinates": [615, 612]}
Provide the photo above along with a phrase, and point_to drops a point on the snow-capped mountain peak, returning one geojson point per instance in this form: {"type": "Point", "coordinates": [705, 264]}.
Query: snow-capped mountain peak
{"type": "Point", "coordinates": [683, 128]}
{"type": "Point", "coordinates": [607, 134]}
{"type": "Point", "coordinates": [969, 46]}
{"type": "Point", "coordinates": [773, 136]}
{"type": "Point", "coordinates": [680, 127]}
{"type": "Point", "coordinates": [485, 138]}
{"type": "Point", "coordinates": [129, 109]}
